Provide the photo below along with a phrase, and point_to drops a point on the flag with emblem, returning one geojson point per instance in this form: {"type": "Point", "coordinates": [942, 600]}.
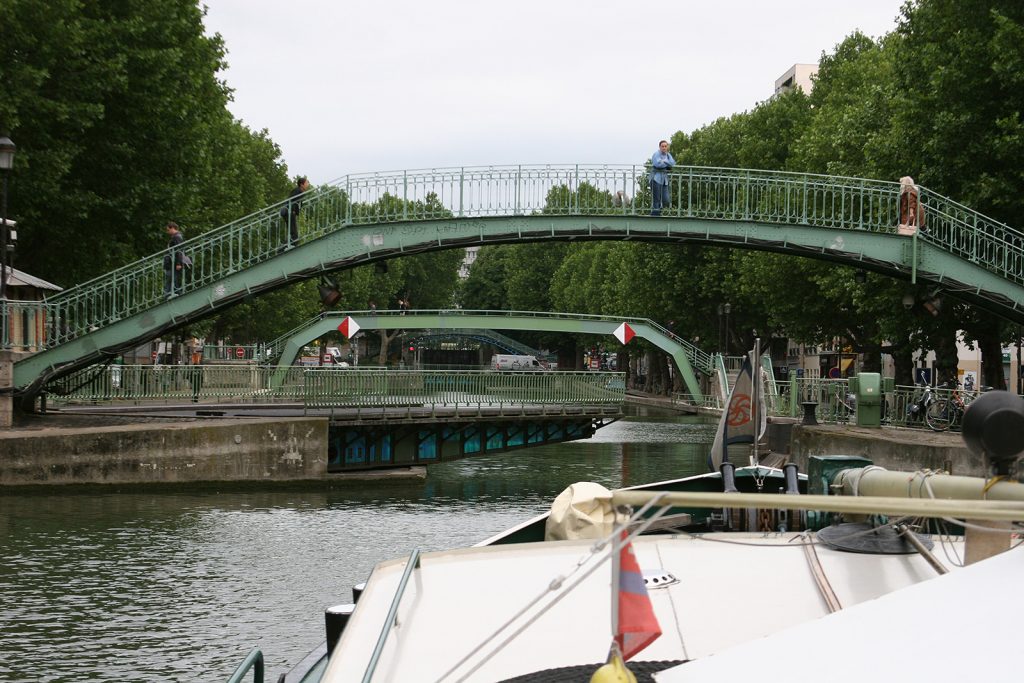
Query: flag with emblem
{"type": "Point", "coordinates": [744, 418]}
{"type": "Point", "coordinates": [634, 624]}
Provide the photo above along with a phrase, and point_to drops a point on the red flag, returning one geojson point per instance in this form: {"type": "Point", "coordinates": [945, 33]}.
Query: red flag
{"type": "Point", "coordinates": [637, 626]}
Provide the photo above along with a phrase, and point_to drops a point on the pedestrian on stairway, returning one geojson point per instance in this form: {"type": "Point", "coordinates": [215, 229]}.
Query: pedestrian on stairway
{"type": "Point", "coordinates": [174, 261]}
{"type": "Point", "coordinates": [293, 208]}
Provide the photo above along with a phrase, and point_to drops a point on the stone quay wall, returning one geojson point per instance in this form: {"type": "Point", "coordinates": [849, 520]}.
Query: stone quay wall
{"type": "Point", "coordinates": [250, 450]}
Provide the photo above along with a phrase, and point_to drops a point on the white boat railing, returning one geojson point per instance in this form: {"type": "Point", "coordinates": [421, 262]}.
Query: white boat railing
{"type": "Point", "coordinates": [389, 621]}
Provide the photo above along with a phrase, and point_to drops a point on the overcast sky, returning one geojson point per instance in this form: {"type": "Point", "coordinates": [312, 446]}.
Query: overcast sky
{"type": "Point", "coordinates": [349, 86]}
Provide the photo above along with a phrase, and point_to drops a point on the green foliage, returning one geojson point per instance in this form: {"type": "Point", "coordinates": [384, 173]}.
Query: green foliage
{"type": "Point", "coordinates": [121, 125]}
{"type": "Point", "coordinates": [561, 199]}
{"type": "Point", "coordinates": [851, 131]}
{"type": "Point", "coordinates": [268, 316]}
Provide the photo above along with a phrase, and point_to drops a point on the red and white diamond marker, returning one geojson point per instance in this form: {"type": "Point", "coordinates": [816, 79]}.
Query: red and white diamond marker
{"type": "Point", "coordinates": [624, 333]}
{"type": "Point", "coordinates": [348, 327]}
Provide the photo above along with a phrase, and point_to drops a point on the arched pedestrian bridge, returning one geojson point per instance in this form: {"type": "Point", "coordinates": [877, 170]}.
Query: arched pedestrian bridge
{"type": "Point", "coordinates": [364, 218]}
{"type": "Point", "coordinates": [687, 356]}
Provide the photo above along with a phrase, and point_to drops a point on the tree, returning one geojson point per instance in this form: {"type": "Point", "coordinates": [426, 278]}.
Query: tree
{"type": "Point", "coordinates": [121, 123]}
{"type": "Point", "coordinates": [958, 115]}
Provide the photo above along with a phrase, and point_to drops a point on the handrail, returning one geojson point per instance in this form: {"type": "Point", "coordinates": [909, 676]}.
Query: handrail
{"type": "Point", "coordinates": [254, 661]}
{"type": "Point", "coordinates": [328, 387]}
{"type": "Point", "coordinates": [413, 563]}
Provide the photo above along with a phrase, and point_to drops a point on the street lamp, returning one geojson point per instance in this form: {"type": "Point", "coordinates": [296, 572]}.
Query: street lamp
{"type": "Point", "coordinates": [723, 330]}
{"type": "Point", "coordinates": [7, 149]}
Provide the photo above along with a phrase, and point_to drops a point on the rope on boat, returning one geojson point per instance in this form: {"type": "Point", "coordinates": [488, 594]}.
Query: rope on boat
{"type": "Point", "coordinates": [913, 540]}
{"type": "Point", "coordinates": [824, 587]}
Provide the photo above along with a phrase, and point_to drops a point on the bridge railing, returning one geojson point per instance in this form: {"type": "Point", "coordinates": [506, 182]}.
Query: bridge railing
{"type": "Point", "coordinates": [138, 384]}
{"type": "Point", "coordinates": [354, 388]}
{"type": "Point", "coordinates": [359, 200]}
{"type": "Point", "coordinates": [836, 405]}
{"type": "Point", "coordinates": [328, 387]}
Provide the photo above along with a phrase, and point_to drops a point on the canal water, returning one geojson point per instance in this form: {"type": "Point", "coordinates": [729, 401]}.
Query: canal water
{"type": "Point", "coordinates": [179, 586]}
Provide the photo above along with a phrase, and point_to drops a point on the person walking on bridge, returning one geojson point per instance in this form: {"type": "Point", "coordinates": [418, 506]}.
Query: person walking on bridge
{"type": "Point", "coordinates": [661, 163]}
{"type": "Point", "coordinates": [293, 208]}
{"type": "Point", "coordinates": [174, 261]}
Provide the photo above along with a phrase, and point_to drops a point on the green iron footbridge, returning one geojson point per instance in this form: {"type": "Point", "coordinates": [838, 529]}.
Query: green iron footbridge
{"type": "Point", "coordinates": [364, 218]}
{"type": "Point", "coordinates": [688, 357]}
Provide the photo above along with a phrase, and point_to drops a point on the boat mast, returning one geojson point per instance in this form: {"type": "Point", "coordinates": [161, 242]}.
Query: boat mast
{"type": "Point", "coordinates": [755, 391]}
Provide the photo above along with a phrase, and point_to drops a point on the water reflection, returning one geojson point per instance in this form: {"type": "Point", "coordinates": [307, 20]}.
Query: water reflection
{"type": "Point", "coordinates": [179, 586]}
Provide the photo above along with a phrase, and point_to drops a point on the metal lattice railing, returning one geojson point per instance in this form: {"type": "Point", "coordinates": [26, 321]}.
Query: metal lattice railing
{"type": "Point", "coordinates": [328, 387]}
{"type": "Point", "coordinates": [376, 198]}
{"type": "Point", "coordinates": [834, 403]}
{"type": "Point", "coordinates": [137, 384]}
{"type": "Point", "coordinates": [368, 388]}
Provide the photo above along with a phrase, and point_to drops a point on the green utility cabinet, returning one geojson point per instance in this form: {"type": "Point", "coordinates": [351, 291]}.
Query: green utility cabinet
{"type": "Point", "coordinates": [867, 387]}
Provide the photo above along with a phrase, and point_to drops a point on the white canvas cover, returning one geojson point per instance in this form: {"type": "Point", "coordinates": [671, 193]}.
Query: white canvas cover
{"type": "Point", "coordinates": [583, 510]}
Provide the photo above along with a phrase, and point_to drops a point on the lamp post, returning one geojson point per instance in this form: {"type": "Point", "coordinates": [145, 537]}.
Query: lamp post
{"type": "Point", "coordinates": [7, 149]}
{"type": "Point", "coordinates": [723, 330]}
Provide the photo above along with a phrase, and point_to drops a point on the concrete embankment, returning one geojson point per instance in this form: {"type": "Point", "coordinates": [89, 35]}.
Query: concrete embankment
{"type": "Point", "coordinates": [123, 450]}
{"type": "Point", "coordinates": [893, 448]}
{"type": "Point", "coordinates": [269, 450]}
{"type": "Point", "coordinates": [888, 447]}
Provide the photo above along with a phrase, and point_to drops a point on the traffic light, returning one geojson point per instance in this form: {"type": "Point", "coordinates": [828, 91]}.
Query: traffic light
{"type": "Point", "coordinates": [412, 348]}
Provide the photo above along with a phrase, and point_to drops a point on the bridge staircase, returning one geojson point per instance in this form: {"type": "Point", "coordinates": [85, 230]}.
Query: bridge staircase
{"type": "Point", "coordinates": [727, 369]}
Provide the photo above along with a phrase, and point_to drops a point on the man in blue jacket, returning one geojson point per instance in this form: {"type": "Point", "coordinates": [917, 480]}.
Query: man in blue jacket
{"type": "Point", "coordinates": [661, 163]}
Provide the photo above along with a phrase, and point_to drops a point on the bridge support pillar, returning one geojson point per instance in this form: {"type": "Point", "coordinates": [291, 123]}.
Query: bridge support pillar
{"type": "Point", "coordinates": [6, 389]}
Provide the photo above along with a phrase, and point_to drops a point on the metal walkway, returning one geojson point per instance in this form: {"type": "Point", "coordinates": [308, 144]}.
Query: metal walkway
{"type": "Point", "coordinates": [360, 219]}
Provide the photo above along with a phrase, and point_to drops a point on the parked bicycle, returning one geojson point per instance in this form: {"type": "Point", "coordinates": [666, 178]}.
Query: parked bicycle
{"type": "Point", "coordinates": [947, 412]}
{"type": "Point", "coordinates": [917, 410]}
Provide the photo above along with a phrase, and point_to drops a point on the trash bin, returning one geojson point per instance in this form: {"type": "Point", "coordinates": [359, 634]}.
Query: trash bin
{"type": "Point", "coordinates": [869, 399]}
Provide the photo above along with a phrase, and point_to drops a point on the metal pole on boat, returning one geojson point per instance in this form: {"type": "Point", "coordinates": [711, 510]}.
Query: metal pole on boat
{"type": "Point", "coordinates": [755, 392]}
{"type": "Point", "coordinates": [616, 569]}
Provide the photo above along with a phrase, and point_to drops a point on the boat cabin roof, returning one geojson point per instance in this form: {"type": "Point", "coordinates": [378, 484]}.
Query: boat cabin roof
{"type": "Point", "coordinates": [730, 588]}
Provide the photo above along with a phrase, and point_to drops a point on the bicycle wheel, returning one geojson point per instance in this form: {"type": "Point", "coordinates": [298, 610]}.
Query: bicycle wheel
{"type": "Point", "coordinates": [939, 415]}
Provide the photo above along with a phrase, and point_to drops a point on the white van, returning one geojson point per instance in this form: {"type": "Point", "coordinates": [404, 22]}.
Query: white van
{"type": "Point", "coordinates": [510, 361]}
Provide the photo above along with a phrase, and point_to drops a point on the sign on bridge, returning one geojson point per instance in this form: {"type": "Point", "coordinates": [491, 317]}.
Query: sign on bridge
{"type": "Point", "coordinates": [348, 327]}
{"type": "Point", "coordinates": [624, 333]}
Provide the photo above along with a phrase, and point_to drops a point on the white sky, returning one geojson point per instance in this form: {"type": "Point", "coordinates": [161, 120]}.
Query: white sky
{"type": "Point", "coordinates": [349, 86]}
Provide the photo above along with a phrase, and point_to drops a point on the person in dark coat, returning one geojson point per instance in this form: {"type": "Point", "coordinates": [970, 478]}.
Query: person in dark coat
{"type": "Point", "coordinates": [174, 261]}
{"type": "Point", "coordinates": [293, 208]}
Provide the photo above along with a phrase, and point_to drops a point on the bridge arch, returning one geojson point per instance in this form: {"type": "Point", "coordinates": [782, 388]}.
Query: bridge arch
{"type": "Point", "coordinates": [366, 218]}
{"type": "Point", "coordinates": [688, 357]}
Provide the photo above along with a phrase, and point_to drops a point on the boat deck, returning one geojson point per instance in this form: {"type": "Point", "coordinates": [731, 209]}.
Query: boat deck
{"type": "Point", "coordinates": [731, 588]}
